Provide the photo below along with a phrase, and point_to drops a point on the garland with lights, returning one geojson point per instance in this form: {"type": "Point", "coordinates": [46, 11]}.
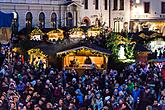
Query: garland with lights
{"type": "Point", "coordinates": [113, 42]}
{"type": "Point", "coordinates": [37, 52]}
{"type": "Point", "coordinates": [36, 31]}
{"type": "Point", "coordinates": [75, 30]}
{"type": "Point", "coordinates": [83, 52]}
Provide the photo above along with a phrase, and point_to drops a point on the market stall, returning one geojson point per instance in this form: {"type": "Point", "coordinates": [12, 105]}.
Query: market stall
{"type": "Point", "coordinates": [36, 34]}
{"type": "Point", "coordinates": [94, 31]}
{"type": "Point", "coordinates": [85, 58]}
{"type": "Point", "coordinates": [76, 33]}
{"type": "Point", "coordinates": [37, 57]}
{"type": "Point", "coordinates": [55, 35]}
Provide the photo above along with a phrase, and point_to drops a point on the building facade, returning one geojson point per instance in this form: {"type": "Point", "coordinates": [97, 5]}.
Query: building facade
{"type": "Point", "coordinates": [148, 14]}
{"type": "Point", "coordinates": [41, 13]}
{"type": "Point", "coordinates": [95, 12]}
{"type": "Point", "coordinates": [119, 15]}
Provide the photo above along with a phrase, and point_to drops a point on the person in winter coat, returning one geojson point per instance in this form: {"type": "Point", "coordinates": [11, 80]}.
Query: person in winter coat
{"type": "Point", "coordinates": [79, 96]}
{"type": "Point", "coordinates": [146, 98]}
{"type": "Point", "coordinates": [156, 105]}
{"type": "Point", "coordinates": [98, 103]}
{"type": "Point", "coordinates": [21, 87]}
{"type": "Point", "coordinates": [136, 94]}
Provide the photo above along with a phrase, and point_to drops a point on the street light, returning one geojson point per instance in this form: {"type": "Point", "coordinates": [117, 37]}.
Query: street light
{"type": "Point", "coordinates": [137, 1]}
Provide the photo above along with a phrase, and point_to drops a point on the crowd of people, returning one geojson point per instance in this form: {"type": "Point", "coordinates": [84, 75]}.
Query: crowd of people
{"type": "Point", "coordinates": [28, 87]}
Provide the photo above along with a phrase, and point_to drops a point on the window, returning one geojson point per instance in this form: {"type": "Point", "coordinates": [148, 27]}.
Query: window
{"type": "Point", "coordinates": [117, 26]}
{"type": "Point", "coordinates": [106, 4]}
{"type": "Point", "coordinates": [54, 20]}
{"type": "Point", "coordinates": [163, 7]}
{"type": "Point", "coordinates": [86, 4]}
{"type": "Point", "coordinates": [41, 20]}
{"type": "Point", "coordinates": [146, 7]}
{"type": "Point", "coordinates": [29, 18]}
{"type": "Point", "coordinates": [97, 4]}
{"type": "Point", "coordinates": [121, 4]}
{"type": "Point", "coordinates": [15, 23]}
{"type": "Point", "coordinates": [69, 19]}
{"type": "Point", "coordinates": [115, 4]}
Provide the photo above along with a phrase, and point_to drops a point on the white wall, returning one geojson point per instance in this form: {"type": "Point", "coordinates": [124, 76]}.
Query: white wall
{"type": "Point", "coordinates": [155, 10]}
{"type": "Point", "coordinates": [124, 15]}
{"type": "Point", "coordinates": [35, 9]}
{"type": "Point", "coordinates": [91, 11]}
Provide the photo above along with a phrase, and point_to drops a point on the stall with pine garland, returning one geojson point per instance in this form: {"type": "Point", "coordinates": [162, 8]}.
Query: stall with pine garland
{"type": "Point", "coordinates": [55, 35]}
{"type": "Point", "coordinates": [85, 58]}
{"type": "Point", "coordinates": [38, 57]}
{"type": "Point", "coordinates": [36, 34]}
{"type": "Point", "coordinates": [94, 31]}
{"type": "Point", "coordinates": [76, 33]}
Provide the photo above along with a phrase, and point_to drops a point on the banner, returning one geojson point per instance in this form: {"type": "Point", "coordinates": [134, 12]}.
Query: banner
{"type": "Point", "coordinates": [5, 35]}
{"type": "Point", "coordinates": [5, 27]}
{"type": "Point", "coordinates": [6, 19]}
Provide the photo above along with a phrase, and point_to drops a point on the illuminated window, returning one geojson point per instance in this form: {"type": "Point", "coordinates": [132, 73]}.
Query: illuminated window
{"type": "Point", "coordinates": [115, 5]}
{"type": "Point", "coordinates": [106, 4]}
{"type": "Point", "coordinates": [117, 26]}
{"type": "Point", "coordinates": [146, 7]}
{"type": "Point", "coordinates": [97, 4]}
{"type": "Point", "coordinates": [121, 4]}
{"type": "Point", "coordinates": [86, 4]}
{"type": "Point", "coordinates": [163, 7]}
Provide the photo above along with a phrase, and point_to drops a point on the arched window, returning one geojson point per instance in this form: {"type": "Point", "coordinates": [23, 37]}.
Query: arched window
{"type": "Point", "coordinates": [54, 20]}
{"type": "Point", "coordinates": [87, 23]}
{"type": "Point", "coordinates": [29, 18]}
{"type": "Point", "coordinates": [15, 23]}
{"type": "Point", "coordinates": [42, 20]}
{"type": "Point", "coordinates": [69, 19]}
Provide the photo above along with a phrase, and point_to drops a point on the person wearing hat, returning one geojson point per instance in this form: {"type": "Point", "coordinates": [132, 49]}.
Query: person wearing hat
{"type": "Point", "coordinates": [98, 102]}
{"type": "Point", "coordinates": [20, 87]}
{"type": "Point", "coordinates": [79, 96]}
{"type": "Point", "coordinates": [20, 106]}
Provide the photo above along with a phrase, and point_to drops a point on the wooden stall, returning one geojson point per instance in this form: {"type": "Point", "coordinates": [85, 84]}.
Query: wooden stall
{"type": "Point", "coordinates": [55, 35]}
{"type": "Point", "coordinates": [37, 56]}
{"type": "Point", "coordinates": [84, 58]}
{"type": "Point", "coordinates": [94, 31]}
{"type": "Point", "coordinates": [76, 33]}
{"type": "Point", "coordinates": [36, 34]}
